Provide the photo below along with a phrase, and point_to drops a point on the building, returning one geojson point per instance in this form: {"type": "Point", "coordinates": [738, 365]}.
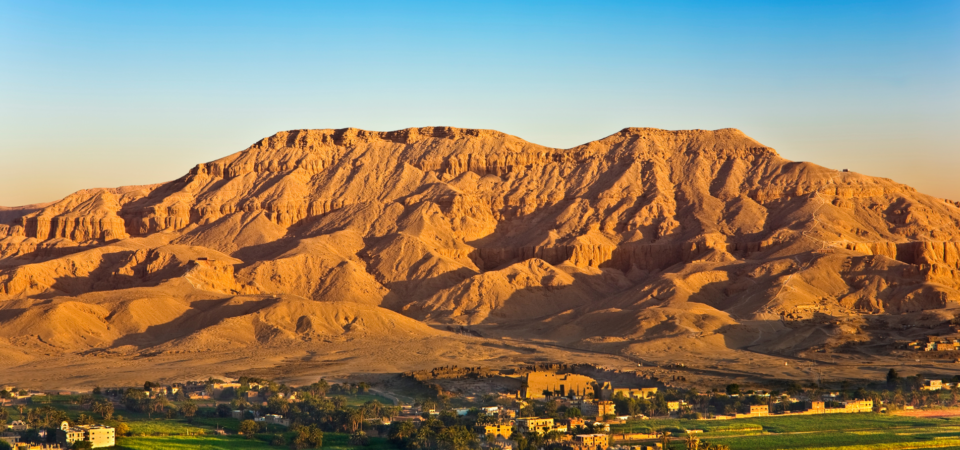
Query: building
{"type": "Point", "coordinates": [548, 384]}
{"type": "Point", "coordinates": [534, 425]}
{"type": "Point", "coordinates": [198, 395]}
{"type": "Point", "coordinates": [502, 443]}
{"type": "Point", "coordinates": [598, 408]}
{"type": "Point", "coordinates": [221, 386]}
{"type": "Point", "coordinates": [98, 435]}
{"type": "Point", "coordinates": [608, 392]}
{"type": "Point", "coordinates": [591, 441]}
{"type": "Point", "coordinates": [673, 406]}
{"type": "Point", "coordinates": [490, 410]}
{"type": "Point", "coordinates": [157, 390]}
{"type": "Point", "coordinates": [32, 446]}
{"type": "Point", "coordinates": [606, 408]}
{"type": "Point", "coordinates": [932, 385]}
{"type": "Point", "coordinates": [573, 422]}
{"type": "Point", "coordinates": [19, 425]}
{"type": "Point", "coordinates": [504, 430]}
{"type": "Point", "coordinates": [242, 414]}
{"type": "Point", "coordinates": [275, 419]}
{"type": "Point", "coordinates": [858, 406]}
{"type": "Point", "coordinates": [10, 438]}
{"type": "Point", "coordinates": [851, 406]}
{"type": "Point", "coordinates": [759, 410]}
{"type": "Point", "coordinates": [935, 344]}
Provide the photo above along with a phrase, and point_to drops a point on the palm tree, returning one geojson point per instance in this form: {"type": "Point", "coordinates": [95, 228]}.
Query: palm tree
{"type": "Point", "coordinates": [898, 398]}
{"type": "Point", "coordinates": [391, 411]}
{"type": "Point", "coordinates": [354, 419]}
{"type": "Point", "coordinates": [665, 439]}
{"type": "Point", "coordinates": [373, 408]}
{"type": "Point", "coordinates": [402, 431]}
{"type": "Point", "coordinates": [421, 439]}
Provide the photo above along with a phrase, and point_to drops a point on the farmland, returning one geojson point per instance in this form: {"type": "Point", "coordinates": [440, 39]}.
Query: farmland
{"type": "Point", "coordinates": [838, 431]}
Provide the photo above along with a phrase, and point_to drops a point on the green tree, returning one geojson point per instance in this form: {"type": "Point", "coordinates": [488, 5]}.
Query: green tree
{"type": "Point", "coordinates": [249, 428]}
{"type": "Point", "coordinates": [278, 405]}
{"type": "Point", "coordinates": [733, 389]}
{"type": "Point", "coordinates": [158, 403]}
{"type": "Point", "coordinates": [224, 410]}
{"type": "Point", "coordinates": [105, 409]}
{"type": "Point", "coordinates": [421, 439]}
{"type": "Point", "coordinates": [122, 429]}
{"type": "Point", "coordinates": [307, 437]}
{"type": "Point", "coordinates": [400, 431]}
{"type": "Point", "coordinates": [359, 438]}
{"type": "Point", "coordinates": [188, 409]}
{"type": "Point", "coordinates": [354, 419]}
{"type": "Point", "coordinates": [322, 387]}
{"type": "Point", "coordinates": [665, 439]}
{"type": "Point", "coordinates": [135, 400]}
{"type": "Point", "coordinates": [892, 378]}
{"type": "Point", "coordinates": [373, 408]}
{"type": "Point", "coordinates": [527, 411]}
{"type": "Point", "coordinates": [82, 445]}
{"type": "Point", "coordinates": [456, 438]}
{"type": "Point", "coordinates": [574, 412]}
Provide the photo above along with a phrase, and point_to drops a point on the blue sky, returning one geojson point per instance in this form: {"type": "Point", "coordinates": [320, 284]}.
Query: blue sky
{"type": "Point", "coordinates": [100, 94]}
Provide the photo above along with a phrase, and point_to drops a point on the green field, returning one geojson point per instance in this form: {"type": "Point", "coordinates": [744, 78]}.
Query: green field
{"type": "Point", "coordinates": [846, 431]}
{"type": "Point", "coordinates": [189, 442]}
{"type": "Point", "coordinates": [334, 441]}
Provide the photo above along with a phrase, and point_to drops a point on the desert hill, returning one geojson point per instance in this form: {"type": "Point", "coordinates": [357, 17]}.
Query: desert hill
{"type": "Point", "coordinates": [633, 244]}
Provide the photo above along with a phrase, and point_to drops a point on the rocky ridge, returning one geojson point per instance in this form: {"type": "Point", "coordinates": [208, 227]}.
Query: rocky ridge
{"type": "Point", "coordinates": [646, 234]}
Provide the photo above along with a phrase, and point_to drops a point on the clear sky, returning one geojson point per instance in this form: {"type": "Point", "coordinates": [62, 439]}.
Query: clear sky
{"type": "Point", "coordinates": [102, 94]}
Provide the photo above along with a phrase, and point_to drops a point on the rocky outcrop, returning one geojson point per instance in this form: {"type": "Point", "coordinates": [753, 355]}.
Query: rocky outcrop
{"type": "Point", "coordinates": [644, 233]}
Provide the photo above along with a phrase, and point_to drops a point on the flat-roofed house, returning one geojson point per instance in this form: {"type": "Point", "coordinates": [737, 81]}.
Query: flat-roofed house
{"type": "Point", "coordinates": [534, 425]}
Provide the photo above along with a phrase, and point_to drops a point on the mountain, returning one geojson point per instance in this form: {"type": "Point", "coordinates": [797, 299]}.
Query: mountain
{"type": "Point", "coordinates": [633, 244]}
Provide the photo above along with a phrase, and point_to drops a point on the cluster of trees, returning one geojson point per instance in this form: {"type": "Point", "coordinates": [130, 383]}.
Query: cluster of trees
{"type": "Point", "coordinates": [445, 433]}
{"type": "Point", "coordinates": [138, 401]}
{"type": "Point", "coordinates": [6, 395]}
{"type": "Point", "coordinates": [656, 406]}
{"type": "Point", "coordinates": [45, 417]}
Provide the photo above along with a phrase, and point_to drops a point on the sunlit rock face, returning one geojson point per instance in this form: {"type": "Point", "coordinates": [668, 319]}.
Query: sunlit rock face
{"type": "Point", "coordinates": [642, 235]}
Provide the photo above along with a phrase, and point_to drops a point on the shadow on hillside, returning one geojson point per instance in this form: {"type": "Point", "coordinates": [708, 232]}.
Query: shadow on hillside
{"type": "Point", "coordinates": [202, 314]}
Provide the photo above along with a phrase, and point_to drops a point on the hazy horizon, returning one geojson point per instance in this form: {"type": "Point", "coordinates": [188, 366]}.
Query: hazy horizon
{"type": "Point", "coordinates": [109, 94]}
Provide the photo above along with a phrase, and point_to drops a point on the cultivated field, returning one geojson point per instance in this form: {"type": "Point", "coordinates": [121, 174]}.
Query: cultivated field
{"type": "Point", "coordinates": [836, 431]}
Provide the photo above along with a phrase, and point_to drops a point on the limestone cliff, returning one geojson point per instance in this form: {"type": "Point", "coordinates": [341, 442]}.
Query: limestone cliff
{"type": "Point", "coordinates": [650, 232]}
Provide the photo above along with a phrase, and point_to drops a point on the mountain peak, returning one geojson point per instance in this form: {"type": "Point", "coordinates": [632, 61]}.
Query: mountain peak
{"type": "Point", "coordinates": [645, 234]}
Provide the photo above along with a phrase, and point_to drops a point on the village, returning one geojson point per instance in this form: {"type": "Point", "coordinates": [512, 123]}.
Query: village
{"type": "Point", "coordinates": [554, 406]}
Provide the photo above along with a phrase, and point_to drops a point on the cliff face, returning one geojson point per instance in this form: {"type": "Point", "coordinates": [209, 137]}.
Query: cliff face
{"type": "Point", "coordinates": [476, 227]}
